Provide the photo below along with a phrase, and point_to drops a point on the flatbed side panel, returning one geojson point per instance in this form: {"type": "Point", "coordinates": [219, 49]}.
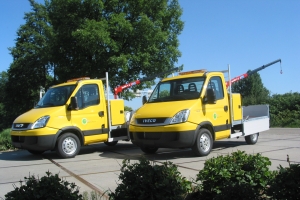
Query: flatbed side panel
{"type": "Point", "coordinates": [256, 125]}
{"type": "Point", "coordinates": [254, 111]}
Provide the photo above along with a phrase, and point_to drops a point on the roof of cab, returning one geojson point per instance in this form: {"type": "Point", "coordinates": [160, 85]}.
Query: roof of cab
{"type": "Point", "coordinates": [76, 81]}
{"type": "Point", "coordinates": [188, 74]}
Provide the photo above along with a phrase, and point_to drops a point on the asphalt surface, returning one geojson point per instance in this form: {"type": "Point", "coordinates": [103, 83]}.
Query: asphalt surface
{"type": "Point", "coordinates": [97, 166]}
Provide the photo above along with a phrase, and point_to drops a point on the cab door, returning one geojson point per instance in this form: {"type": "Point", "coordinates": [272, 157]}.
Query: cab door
{"type": "Point", "coordinates": [218, 112]}
{"type": "Point", "coordinates": [90, 118]}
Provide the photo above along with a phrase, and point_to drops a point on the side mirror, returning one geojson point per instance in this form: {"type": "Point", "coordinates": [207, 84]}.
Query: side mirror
{"type": "Point", "coordinates": [144, 100]}
{"type": "Point", "coordinates": [210, 96]}
{"type": "Point", "coordinates": [74, 104]}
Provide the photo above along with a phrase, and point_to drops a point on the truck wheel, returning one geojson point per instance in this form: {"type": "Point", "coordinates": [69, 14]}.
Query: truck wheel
{"type": "Point", "coordinates": [149, 150]}
{"type": "Point", "coordinates": [34, 152]}
{"type": "Point", "coordinates": [111, 143]}
{"type": "Point", "coordinates": [203, 143]}
{"type": "Point", "coordinates": [68, 145]}
{"type": "Point", "coordinates": [251, 139]}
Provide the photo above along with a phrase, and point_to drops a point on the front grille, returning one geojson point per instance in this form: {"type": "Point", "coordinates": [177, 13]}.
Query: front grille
{"type": "Point", "coordinates": [151, 120]}
{"type": "Point", "coordinates": [20, 125]}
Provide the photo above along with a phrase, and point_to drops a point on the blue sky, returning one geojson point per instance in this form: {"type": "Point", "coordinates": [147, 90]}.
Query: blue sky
{"type": "Point", "coordinates": [244, 34]}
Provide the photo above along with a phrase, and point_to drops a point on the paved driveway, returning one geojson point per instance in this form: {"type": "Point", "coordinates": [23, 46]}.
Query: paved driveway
{"type": "Point", "coordinates": [97, 166]}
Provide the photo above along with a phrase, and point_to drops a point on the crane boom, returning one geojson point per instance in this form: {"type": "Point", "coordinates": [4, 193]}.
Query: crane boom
{"type": "Point", "coordinates": [251, 72]}
{"type": "Point", "coordinates": [119, 89]}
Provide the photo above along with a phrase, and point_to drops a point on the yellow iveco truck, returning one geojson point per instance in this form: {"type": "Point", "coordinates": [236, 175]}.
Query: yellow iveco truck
{"type": "Point", "coordinates": [194, 109]}
{"type": "Point", "coordinates": [71, 115]}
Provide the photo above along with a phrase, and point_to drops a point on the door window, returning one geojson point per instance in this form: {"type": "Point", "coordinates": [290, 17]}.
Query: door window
{"type": "Point", "coordinates": [88, 95]}
{"type": "Point", "coordinates": [215, 83]}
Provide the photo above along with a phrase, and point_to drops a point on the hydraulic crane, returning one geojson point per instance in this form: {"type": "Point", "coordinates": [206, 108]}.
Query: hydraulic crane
{"type": "Point", "coordinates": [119, 89]}
{"type": "Point", "coordinates": [252, 72]}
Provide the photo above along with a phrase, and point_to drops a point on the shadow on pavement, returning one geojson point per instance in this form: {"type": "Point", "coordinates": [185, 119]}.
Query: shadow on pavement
{"type": "Point", "coordinates": [119, 151]}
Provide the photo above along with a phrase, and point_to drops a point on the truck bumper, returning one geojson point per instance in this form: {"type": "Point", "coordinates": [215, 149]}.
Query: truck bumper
{"type": "Point", "coordinates": [184, 139]}
{"type": "Point", "coordinates": [36, 143]}
{"type": "Point", "coordinates": [30, 140]}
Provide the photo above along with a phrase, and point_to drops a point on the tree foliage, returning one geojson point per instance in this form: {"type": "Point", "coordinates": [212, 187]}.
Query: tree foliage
{"type": "Point", "coordinates": [30, 67]}
{"type": "Point", "coordinates": [3, 81]}
{"type": "Point", "coordinates": [285, 110]}
{"type": "Point", "coordinates": [64, 39]}
{"type": "Point", "coordinates": [252, 90]}
{"type": "Point", "coordinates": [126, 38]}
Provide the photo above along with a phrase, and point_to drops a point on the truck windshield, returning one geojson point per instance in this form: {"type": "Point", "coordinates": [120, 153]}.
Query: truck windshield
{"type": "Point", "coordinates": [177, 90]}
{"type": "Point", "coordinates": [56, 96]}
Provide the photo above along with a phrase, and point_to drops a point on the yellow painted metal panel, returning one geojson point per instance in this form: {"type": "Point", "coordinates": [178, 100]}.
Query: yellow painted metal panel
{"type": "Point", "coordinates": [117, 111]}
{"type": "Point", "coordinates": [237, 106]}
{"type": "Point", "coordinates": [95, 138]}
{"type": "Point", "coordinates": [35, 132]}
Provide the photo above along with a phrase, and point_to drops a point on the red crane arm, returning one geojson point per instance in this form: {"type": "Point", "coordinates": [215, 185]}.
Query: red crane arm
{"type": "Point", "coordinates": [252, 72]}
{"type": "Point", "coordinates": [122, 87]}
{"type": "Point", "coordinates": [119, 89]}
{"type": "Point", "coordinates": [236, 79]}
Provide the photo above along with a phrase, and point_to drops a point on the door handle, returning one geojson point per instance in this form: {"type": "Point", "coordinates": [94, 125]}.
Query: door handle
{"type": "Point", "coordinates": [225, 108]}
{"type": "Point", "coordinates": [101, 114]}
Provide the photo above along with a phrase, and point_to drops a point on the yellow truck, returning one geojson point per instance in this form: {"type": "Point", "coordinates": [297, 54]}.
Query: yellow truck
{"type": "Point", "coordinates": [194, 109]}
{"type": "Point", "coordinates": [70, 115]}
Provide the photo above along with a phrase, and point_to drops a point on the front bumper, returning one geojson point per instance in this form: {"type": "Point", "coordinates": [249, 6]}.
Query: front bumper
{"type": "Point", "coordinates": [37, 139]}
{"type": "Point", "coordinates": [36, 143]}
{"type": "Point", "coordinates": [170, 136]}
{"type": "Point", "coordinates": [183, 139]}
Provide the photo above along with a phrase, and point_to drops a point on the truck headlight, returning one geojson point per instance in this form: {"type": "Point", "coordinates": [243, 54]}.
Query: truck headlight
{"type": "Point", "coordinates": [180, 117]}
{"type": "Point", "coordinates": [41, 122]}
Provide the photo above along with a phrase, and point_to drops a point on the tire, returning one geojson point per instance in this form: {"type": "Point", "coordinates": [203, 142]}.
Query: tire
{"type": "Point", "coordinates": [252, 139]}
{"type": "Point", "coordinates": [68, 145]}
{"type": "Point", "coordinates": [149, 150]}
{"type": "Point", "coordinates": [35, 152]}
{"type": "Point", "coordinates": [204, 143]}
{"type": "Point", "coordinates": [111, 143]}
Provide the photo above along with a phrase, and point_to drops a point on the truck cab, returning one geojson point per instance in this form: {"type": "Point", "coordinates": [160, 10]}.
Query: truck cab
{"type": "Point", "coordinates": [68, 116]}
{"type": "Point", "coordinates": [190, 110]}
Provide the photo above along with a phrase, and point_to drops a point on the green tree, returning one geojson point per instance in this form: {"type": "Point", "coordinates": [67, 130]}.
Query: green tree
{"type": "Point", "coordinates": [64, 39]}
{"type": "Point", "coordinates": [30, 68]}
{"type": "Point", "coordinates": [127, 108]}
{"type": "Point", "coordinates": [252, 90]}
{"type": "Point", "coordinates": [3, 81]}
{"type": "Point", "coordinates": [127, 38]}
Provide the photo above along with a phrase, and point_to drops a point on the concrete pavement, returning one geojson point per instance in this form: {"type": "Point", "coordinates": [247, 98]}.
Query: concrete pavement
{"type": "Point", "coordinates": [97, 166]}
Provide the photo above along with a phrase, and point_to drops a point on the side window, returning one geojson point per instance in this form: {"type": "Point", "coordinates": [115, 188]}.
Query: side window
{"type": "Point", "coordinates": [216, 84]}
{"type": "Point", "coordinates": [164, 90]}
{"type": "Point", "coordinates": [88, 95]}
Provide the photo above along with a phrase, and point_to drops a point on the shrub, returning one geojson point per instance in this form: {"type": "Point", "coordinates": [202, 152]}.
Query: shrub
{"type": "Point", "coordinates": [235, 176]}
{"type": "Point", "coordinates": [286, 185]}
{"type": "Point", "coordinates": [144, 181]}
{"type": "Point", "coordinates": [5, 140]}
{"type": "Point", "coordinates": [46, 188]}
{"type": "Point", "coordinates": [93, 195]}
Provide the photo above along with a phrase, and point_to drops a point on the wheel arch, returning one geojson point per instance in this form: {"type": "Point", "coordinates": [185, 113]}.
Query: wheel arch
{"type": "Point", "coordinates": [208, 125]}
{"type": "Point", "coordinates": [69, 129]}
